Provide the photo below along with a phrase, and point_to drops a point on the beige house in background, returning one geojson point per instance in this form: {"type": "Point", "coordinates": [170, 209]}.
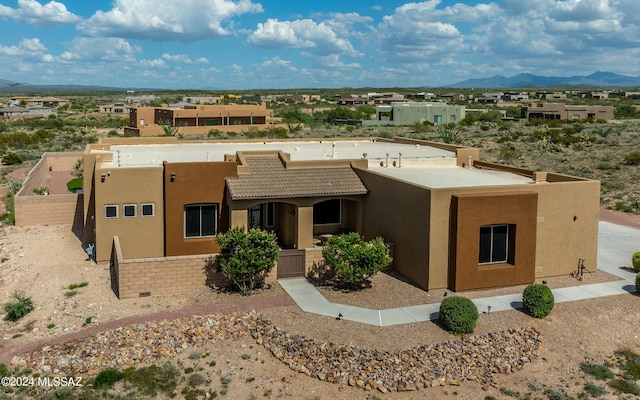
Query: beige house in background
{"type": "Point", "coordinates": [562, 111]}
{"type": "Point", "coordinates": [199, 119]}
{"type": "Point", "coordinates": [454, 221]}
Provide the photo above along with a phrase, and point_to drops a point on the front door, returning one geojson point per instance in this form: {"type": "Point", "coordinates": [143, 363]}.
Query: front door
{"type": "Point", "coordinates": [255, 217]}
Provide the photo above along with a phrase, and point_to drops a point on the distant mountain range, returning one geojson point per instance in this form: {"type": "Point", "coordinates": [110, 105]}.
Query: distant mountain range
{"type": "Point", "coordinates": [25, 88]}
{"type": "Point", "coordinates": [597, 79]}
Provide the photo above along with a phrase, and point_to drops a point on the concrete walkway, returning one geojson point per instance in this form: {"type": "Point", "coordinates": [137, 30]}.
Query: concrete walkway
{"type": "Point", "coordinates": [616, 244]}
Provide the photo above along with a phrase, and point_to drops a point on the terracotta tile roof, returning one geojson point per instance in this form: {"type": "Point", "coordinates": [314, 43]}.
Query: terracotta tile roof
{"type": "Point", "coordinates": [270, 179]}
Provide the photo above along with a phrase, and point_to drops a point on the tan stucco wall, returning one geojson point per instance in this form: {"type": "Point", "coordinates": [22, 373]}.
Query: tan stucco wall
{"type": "Point", "coordinates": [194, 183]}
{"type": "Point", "coordinates": [61, 209]}
{"type": "Point", "coordinates": [129, 186]}
{"type": "Point", "coordinates": [560, 241]}
{"type": "Point", "coordinates": [399, 213]}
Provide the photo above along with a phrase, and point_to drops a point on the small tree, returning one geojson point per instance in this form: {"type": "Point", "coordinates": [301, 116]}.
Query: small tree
{"type": "Point", "coordinates": [635, 261]}
{"type": "Point", "coordinates": [246, 256]}
{"type": "Point", "coordinates": [354, 260]}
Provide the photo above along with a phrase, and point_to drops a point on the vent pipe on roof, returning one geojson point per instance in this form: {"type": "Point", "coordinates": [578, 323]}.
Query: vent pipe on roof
{"type": "Point", "coordinates": [399, 160]}
{"type": "Point", "coordinates": [387, 162]}
{"type": "Point", "coordinates": [470, 162]}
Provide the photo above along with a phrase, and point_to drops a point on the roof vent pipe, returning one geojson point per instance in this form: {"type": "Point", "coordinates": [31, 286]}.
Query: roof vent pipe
{"type": "Point", "coordinates": [470, 162]}
{"type": "Point", "coordinates": [387, 162]}
{"type": "Point", "coordinates": [399, 160]}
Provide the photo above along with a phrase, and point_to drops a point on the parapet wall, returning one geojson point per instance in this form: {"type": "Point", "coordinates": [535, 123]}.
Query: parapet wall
{"type": "Point", "coordinates": [54, 209]}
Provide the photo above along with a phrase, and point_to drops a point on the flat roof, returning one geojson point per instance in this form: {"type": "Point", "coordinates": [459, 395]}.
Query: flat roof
{"type": "Point", "coordinates": [419, 164]}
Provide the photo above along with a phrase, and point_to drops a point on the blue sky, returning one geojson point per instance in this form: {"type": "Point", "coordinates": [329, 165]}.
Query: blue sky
{"type": "Point", "coordinates": [251, 44]}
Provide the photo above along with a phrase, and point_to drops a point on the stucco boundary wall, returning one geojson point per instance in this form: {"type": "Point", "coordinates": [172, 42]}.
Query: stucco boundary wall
{"type": "Point", "coordinates": [164, 276]}
{"type": "Point", "coordinates": [59, 209]}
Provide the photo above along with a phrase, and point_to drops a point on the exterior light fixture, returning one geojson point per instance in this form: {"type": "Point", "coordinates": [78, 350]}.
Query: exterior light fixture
{"type": "Point", "coordinates": [103, 177]}
{"type": "Point", "coordinates": [173, 177]}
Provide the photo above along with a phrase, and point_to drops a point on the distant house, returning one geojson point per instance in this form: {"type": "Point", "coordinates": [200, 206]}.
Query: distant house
{"type": "Point", "coordinates": [198, 119]}
{"type": "Point", "coordinates": [354, 101]}
{"type": "Point", "coordinates": [13, 111]}
{"type": "Point", "coordinates": [408, 113]}
{"type": "Point", "coordinates": [115, 108]}
{"type": "Point", "coordinates": [563, 111]}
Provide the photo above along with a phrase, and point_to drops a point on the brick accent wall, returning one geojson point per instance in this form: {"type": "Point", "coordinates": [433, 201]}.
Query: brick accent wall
{"type": "Point", "coordinates": [60, 209]}
{"type": "Point", "coordinates": [57, 209]}
{"type": "Point", "coordinates": [163, 276]}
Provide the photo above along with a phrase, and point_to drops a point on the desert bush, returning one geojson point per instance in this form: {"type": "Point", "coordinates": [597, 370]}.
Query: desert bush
{"type": "Point", "coordinates": [600, 372]}
{"type": "Point", "coordinates": [11, 159]}
{"type": "Point", "coordinates": [14, 186]}
{"type": "Point", "coordinates": [246, 256]}
{"type": "Point", "coordinates": [458, 315]}
{"type": "Point", "coordinates": [74, 185]}
{"type": "Point", "coordinates": [632, 158]}
{"type": "Point", "coordinates": [19, 307]}
{"type": "Point", "coordinates": [107, 377]}
{"type": "Point", "coordinates": [354, 260]}
{"type": "Point", "coordinates": [638, 283]}
{"type": "Point", "coordinates": [41, 191]}
{"type": "Point", "coordinates": [537, 300]}
{"type": "Point", "coordinates": [635, 261]}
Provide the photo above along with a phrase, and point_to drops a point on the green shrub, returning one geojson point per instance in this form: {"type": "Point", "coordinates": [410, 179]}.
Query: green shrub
{"type": "Point", "coordinates": [638, 283]}
{"type": "Point", "coordinates": [19, 307]}
{"type": "Point", "coordinates": [74, 185]}
{"type": "Point", "coordinates": [635, 261]}
{"type": "Point", "coordinates": [107, 377]}
{"type": "Point", "coordinates": [537, 300]}
{"type": "Point", "coordinates": [354, 260]}
{"type": "Point", "coordinates": [41, 191]}
{"type": "Point", "coordinates": [4, 371]}
{"type": "Point", "coordinates": [600, 372]}
{"type": "Point", "coordinates": [594, 390]}
{"type": "Point", "coordinates": [458, 315]}
{"type": "Point", "coordinates": [11, 159]}
{"type": "Point", "coordinates": [632, 158]}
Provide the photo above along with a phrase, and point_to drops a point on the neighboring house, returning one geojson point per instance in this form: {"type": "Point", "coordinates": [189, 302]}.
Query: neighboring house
{"type": "Point", "coordinates": [115, 108]}
{"type": "Point", "coordinates": [387, 98]}
{"type": "Point", "coordinates": [354, 101]}
{"type": "Point", "coordinates": [568, 112]}
{"type": "Point", "coordinates": [409, 113]}
{"type": "Point", "coordinates": [40, 111]}
{"type": "Point", "coordinates": [198, 119]}
{"type": "Point", "coordinates": [46, 101]}
{"type": "Point", "coordinates": [13, 112]}
{"type": "Point", "coordinates": [455, 222]}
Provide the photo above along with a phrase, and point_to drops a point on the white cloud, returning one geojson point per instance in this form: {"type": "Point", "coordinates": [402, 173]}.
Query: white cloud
{"type": "Point", "coordinates": [183, 20]}
{"type": "Point", "coordinates": [101, 49]}
{"type": "Point", "coordinates": [318, 39]}
{"type": "Point", "coordinates": [31, 50]}
{"type": "Point", "coordinates": [50, 14]}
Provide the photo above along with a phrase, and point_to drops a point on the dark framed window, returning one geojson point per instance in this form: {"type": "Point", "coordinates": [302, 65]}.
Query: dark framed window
{"type": "Point", "coordinates": [110, 211]}
{"type": "Point", "coordinates": [494, 244]}
{"type": "Point", "coordinates": [271, 214]}
{"type": "Point", "coordinates": [148, 209]}
{"type": "Point", "coordinates": [129, 210]}
{"type": "Point", "coordinates": [200, 220]}
{"type": "Point", "coordinates": [328, 212]}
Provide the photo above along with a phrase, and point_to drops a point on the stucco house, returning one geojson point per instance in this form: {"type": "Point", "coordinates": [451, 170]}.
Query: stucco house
{"type": "Point", "coordinates": [454, 221]}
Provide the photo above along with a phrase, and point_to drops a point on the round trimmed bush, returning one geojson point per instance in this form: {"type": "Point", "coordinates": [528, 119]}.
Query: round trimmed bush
{"type": "Point", "coordinates": [458, 315]}
{"type": "Point", "coordinates": [635, 261]}
{"type": "Point", "coordinates": [537, 300]}
{"type": "Point", "coordinates": [638, 283]}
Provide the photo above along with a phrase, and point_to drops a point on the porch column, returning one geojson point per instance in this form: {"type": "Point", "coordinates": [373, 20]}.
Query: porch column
{"type": "Point", "coordinates": [304, 227]}
{"type": "Point", "coordinates": [239, 218]}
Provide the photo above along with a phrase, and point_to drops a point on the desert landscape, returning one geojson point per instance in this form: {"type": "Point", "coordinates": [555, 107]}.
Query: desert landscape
{"type": "Point", "coordinates": [47, 261]}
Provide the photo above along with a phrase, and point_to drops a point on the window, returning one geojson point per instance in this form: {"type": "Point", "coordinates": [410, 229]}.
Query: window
{"type": "Point", "coordinates": [111, 211]}
{"type": "Point", "coordinates": [200, 220]}
{"type": "Point", "coordinates": [494, 244]}
{"type": "Point", "coordinates": [129, 210]}
{"type": "Point", "coordinates": [437, 119]}
{"type": "Point", "coordinates": [271, 213]}
{"type": "Point", "coordinates": [148, 209]}
{"type": "Point", "coordinates": [452, 118]}
{"type": "Point", "coordinates": [327, 212]}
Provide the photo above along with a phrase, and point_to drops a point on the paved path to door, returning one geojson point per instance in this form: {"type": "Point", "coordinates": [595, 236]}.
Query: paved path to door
{"type": "Point", "coordinates": [616, 244]}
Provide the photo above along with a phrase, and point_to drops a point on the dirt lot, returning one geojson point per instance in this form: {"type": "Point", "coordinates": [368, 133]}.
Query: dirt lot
{"type": "Point", "coordinates": [44, 261]}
